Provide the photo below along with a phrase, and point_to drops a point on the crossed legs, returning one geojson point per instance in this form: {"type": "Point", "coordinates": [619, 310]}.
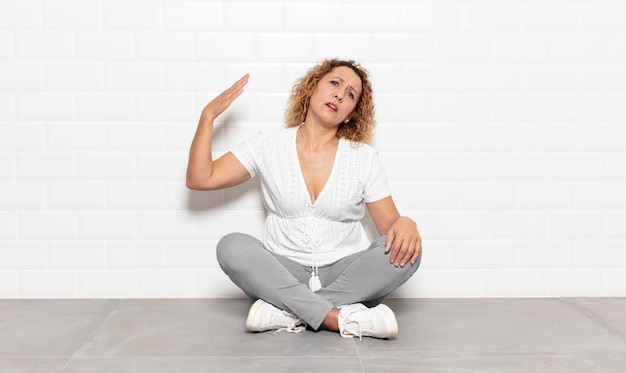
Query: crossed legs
{"type": "Point", "coordinates": [366, 277]}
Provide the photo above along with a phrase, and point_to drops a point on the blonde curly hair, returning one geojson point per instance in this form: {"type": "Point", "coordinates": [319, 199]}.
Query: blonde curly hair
{"type": "Point", "coordinates": [360, 127]}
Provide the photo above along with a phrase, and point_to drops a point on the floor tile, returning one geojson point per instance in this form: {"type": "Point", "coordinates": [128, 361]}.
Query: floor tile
{"type": "Point", "coordinates": [49, 328]}
{"type": "Point", "coordinates": [201, 327]}
{"type": "Point", "coordinates": [454, 363]}
{"type": "Point", "coordinates": [281, 364]}
{"type": "Point", "coordinates": [199, 335]}
{"type": "Point", "coordinates": [32, 365]}
{"type": "Point", "coordinates": [610, 312]}
{"type": "Point", "coordinates": [519, 326]}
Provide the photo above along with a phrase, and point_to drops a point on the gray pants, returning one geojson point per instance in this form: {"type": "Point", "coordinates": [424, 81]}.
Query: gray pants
{"type": "Point", "coordinates": [366, 277]}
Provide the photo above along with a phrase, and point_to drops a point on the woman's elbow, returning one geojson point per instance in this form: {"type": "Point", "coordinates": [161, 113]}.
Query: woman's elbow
{"type": "Point", "coordinates": [190, 185]}
{"type": "Point", "coordinates": [195, 184]}
{"type": "Point", "coordinates": [203, 184]}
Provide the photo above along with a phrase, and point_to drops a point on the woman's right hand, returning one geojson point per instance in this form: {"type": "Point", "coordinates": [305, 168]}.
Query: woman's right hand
{"type": "Point", "coordinates": [202, 172]}
{"type": "Point", "coordinates": [220, 103]}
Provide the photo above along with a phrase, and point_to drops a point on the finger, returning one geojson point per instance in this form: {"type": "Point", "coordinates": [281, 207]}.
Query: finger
{"type": "Point", "coordinates": [244, 78]}
{"type": "Point", "coordinates": [418, 251]}
{"type": "Point", "coordinates": [239, 84]}
{"type": "Point", "coordinates": [406, 255]}
{"type": "Point", "coordinates": [389, 241]}
{"type": "Point", "coordinates": [221, 102]}
{"type": "Point", "coordinates": [412, 248]}
{"type": "Point", "coordinates": [395, 250]}
{"type": "Point", "coordinates": [398, 251]}
{"type": "Point", "coordinates": [226, 98]}
{"type": "Point", "coordinates": [236, 89]}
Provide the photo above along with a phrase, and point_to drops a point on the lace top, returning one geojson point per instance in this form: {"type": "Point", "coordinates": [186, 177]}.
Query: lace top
{"type": "Point", "coordinates": [317, 233]}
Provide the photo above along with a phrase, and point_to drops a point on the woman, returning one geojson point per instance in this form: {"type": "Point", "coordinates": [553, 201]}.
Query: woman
{"type": "Point", "coordinates": [315, 265]}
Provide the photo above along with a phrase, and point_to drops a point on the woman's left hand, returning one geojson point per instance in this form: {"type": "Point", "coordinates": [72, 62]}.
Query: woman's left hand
{"type": "Point", "coordinates": [404, 242]}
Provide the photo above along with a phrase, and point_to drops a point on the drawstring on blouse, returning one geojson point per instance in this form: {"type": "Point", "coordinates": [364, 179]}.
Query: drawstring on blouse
{"type": "Point", "coordinates": [314, 240]}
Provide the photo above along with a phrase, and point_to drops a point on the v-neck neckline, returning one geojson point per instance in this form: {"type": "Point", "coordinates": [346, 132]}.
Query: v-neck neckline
{"type": "Point", "coordinates": [303, 181]}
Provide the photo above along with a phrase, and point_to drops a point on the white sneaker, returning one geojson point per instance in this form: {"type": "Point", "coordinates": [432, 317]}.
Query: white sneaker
{"type": "Point", "coordinates": [263, 316]}
{"type": "Point", "coordinates": [356, 320]}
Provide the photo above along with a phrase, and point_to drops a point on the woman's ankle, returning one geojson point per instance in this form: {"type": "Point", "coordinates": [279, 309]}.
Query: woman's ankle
{"type": "Point", "coordinates": [331, 322]}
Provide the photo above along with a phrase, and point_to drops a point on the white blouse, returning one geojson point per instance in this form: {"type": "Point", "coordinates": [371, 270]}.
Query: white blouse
{"type": "Point", "coordinates": [330, 229]}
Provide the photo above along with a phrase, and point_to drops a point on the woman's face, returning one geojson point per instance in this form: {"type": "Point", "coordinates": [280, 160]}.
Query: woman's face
{"type": "Point", "coordinates": [335, 96]}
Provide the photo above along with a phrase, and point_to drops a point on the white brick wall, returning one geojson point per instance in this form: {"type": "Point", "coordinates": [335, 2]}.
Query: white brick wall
{"type": "Point", "coordinates": [502, 127]}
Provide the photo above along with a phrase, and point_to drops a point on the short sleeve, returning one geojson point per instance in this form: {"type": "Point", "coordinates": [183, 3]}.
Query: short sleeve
{"type": "Point", "coordinates": [248, 151]}
{"type": "Point", "coordinates": [376, 185]}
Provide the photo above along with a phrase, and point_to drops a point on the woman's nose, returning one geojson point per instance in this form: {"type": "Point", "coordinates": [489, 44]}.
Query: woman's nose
{"type": "Point", "coordinates": [338, 97]}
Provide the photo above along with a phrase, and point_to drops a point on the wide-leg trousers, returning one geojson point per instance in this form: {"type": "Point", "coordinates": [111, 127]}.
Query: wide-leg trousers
{"type": "Point", "coordinates": [366, 277]}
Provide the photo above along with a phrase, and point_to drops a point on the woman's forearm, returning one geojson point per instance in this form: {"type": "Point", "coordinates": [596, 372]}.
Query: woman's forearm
{"type": "Point", "coordinates": [200, 164]}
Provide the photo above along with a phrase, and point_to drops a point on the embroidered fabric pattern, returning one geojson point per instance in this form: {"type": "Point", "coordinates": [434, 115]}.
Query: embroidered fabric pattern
{"type": "Point", "coordinates": [294, 226]}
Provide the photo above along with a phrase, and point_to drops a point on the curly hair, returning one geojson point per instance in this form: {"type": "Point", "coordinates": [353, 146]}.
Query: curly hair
{"type": "Point", "coordinates": [360, 127]}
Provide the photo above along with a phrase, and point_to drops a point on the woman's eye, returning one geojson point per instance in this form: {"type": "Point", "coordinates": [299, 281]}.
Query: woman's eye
{"type": "Point", "coordinates": [351, 95]}
{"type": "Point", "coordinates": [334, 82]}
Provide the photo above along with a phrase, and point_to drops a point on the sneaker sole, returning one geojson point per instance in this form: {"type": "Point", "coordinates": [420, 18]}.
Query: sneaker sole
{"type": "Point", "coordinates": [252, 313]}
{"type": "Point", "coordinates": [392, 317]}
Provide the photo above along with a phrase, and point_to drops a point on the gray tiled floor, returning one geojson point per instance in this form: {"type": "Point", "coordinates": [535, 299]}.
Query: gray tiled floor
{"type": "Point", "coordinates": [208, 335]}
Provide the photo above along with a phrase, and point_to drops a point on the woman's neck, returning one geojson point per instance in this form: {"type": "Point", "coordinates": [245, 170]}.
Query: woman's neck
{"type": "Point", "coordinates": [317, 137]}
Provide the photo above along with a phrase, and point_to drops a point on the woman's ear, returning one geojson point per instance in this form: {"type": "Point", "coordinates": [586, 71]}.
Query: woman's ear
{"type": "Point", "coordinates": [349, 117]}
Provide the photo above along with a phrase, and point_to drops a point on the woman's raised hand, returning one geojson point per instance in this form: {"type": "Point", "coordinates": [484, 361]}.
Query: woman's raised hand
{"type": "Point", "coordinates": [202, 172]}
{"type": "Point", "coordinates": [220, 103]}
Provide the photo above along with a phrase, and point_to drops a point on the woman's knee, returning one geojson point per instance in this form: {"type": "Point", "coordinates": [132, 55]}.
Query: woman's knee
{"type": "Point", "coordinates": [228, 246]}
{"type": "Point", "coordinates": [232, 247]}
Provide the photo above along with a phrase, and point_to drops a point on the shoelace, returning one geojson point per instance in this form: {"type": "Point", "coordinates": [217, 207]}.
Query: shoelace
{"type": "Point", "coordinates": [293, 327]}
{"type": "Point", "coordinates": [347, 325]}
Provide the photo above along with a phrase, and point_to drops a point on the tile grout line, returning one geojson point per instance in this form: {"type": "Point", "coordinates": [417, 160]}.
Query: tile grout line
{"type": "Point", "coordinates": [91, 335]}
{"type": "Point", "coordinates": [358, 355]}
